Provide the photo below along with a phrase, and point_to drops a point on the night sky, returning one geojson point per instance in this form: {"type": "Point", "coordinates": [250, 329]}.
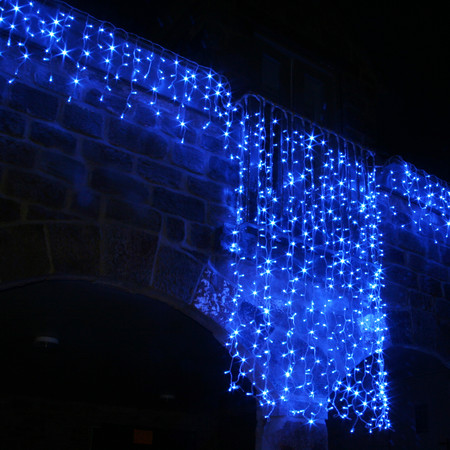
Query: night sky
{"type": "Point", "coordinates": [405, 44]}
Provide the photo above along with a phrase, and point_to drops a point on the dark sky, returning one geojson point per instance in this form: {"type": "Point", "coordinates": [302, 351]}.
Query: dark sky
{"type": "Point", "coordinates": [405, 43]}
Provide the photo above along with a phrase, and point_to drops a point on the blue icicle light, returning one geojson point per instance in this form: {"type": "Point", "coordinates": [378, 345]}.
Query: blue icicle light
{"type": "Point", "coordinates": [308, 326]}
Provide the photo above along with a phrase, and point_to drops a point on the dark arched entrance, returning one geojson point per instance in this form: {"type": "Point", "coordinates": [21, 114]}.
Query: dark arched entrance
{"type": "Point", "coordinates": [89, 366]}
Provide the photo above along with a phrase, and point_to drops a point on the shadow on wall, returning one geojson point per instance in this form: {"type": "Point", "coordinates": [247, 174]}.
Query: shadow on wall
{"type": "Point", "coordinates": [419, 391]}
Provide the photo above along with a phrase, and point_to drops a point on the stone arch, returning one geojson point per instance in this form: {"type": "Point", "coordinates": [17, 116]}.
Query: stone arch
{"type": "Point", "coordinates": [116, 326]}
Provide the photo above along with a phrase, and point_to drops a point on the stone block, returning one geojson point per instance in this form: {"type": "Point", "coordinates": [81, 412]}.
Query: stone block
{"type": "Point", "coordinates": [175, 230]}
{"type": "Point", "coordinates": [137, 139]}
{"type": "Point", "coordinates": [11, 123]}
{"type": "Point", "coordinates": [401, 275]}
{"type": "Point", "coordinates": [190, 158]}
{"type": "Point", "coordinates": [111, 103]}
{"type": "Point", "coordinates": [23, 253]}
{"type": "Point", "coordinates": [223, 170]}
{"type": "Point", "coordinates": [33, 101]}
{"type": "Point", "coordinates": [219, 215]}
{"type": "Point", "coordinates": [201, 236]}
{"type": "Point", "coordinates": [176, 274]}
{"type": "Point", "coordinates": [411, 242]}
{"type": "Point", "coordinates": [75, 248]}
{"type": "Point", "coordinates": [178, 204]}
{"type": "Point", "coordinates": [128, 254]}
{"type": "Point", "coordinates": [62, 167]}
{"type": "Point", "coordinates": [17, 153]}
{"type": "Point", "coordinates": [9, 210]}
{"type": "Point", "coordinates": [86, 203]}
{"type": "Point", "coordinates": [430, 286]}
{"type": "Point", "coordinates": [443, 310]}
{"type": "Point", "coordinates": [133, 214]}
{"type": "Point", "coordinates": [59, 83]}
{"type": "Point", "coordinates": [107, 156]}
{"type": "Point", "coordinates": [145, 116]}
{"type": "Point", "coordinates": [446, 287]}
{"type": "Point", "coordinates": [395, 296]}
{"type": "Point", "coordinates": [39, 212]}
{"type": "Point", "coordinates": [52, 137]}
{"type": "Point", "coordinates": [424, 329]}
{"type": "Point", "coordinates": [208, 190]}
{"type": "Point", "coordinates": [158, 173]}
{"type": "Point", "coordinates": [400, 327]}
{"type": "Point", "coordinates": [419, 300]}
{"type": "Point", "coordinates": [393, 255]}
{"type": "Point", "coordinates": [116, 183]}
{"type": "Point", "coordinates": [35, 188]}
{"type": "Point", "coordinates": [82, 120]}
{"type": "Point", "coordinates": [212, 144]}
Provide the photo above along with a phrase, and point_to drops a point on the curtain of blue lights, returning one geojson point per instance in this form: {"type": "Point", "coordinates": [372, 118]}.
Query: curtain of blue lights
{"type": "Point", "coordinates": [308, 326]}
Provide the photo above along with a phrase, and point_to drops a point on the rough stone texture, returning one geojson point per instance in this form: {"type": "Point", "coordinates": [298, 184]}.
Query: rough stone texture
{"type": "Point", "coordinates": [157, 173]}
{"type": "Point", "coordinates": [137, 139]}
{"type": "Point", "coordinates": [106, 156]}
{"type": "Point", "coordinates": [35, 188]}
{"type": "Point", "coordinates": [175, 230]}
{"type": "Point", "coordinates": [223, 170]}
{"type": "Point", "coordinates": [179, 204]}
{"type": "Point", "coordinates": [51, 136]}
{"type": "Point", "coordinates": [116, 183]}
{"type": "Point", "coordinates": [288, 433]}
{"type": "Point", "coordinates": [33, 102]}
{"type": "Point", "coordinates": [23, 253]}
{"type": "Point", "coordinates": [75, 248]}
{"type": "Point", "coordinates": [128, 254]}
{"type": "Point", "coordinates": [189, 158]}
{"type": "Point", "coordinates": [176, 274]}
{"type": "Point", "coordinates": [63, 167]}
{"type": "Point", "coordinates": [11, 123]}
{"type": "Point", "coordinates": [82, 120]}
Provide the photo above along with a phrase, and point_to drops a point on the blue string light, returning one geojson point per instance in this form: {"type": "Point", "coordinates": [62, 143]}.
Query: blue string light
{"type": "Point", "coordinates": [63, 39]}
{"type": "Point", "coordinates": [308, 325]}
{"type": "Point", "coordinates": [308, 271]}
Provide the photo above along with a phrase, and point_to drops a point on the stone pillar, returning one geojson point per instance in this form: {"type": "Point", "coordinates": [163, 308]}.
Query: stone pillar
{"type": "Point", "coordinates": [290, 433]}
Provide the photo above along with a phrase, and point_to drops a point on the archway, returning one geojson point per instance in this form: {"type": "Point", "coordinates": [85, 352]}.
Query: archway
{"type": "Point", "coordinates": [91, 366]}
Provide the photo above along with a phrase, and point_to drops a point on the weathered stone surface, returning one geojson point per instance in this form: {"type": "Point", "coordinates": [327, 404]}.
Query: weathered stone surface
{"type": "Point", "coordinates": [424, 329]}
{"type": "Point", "coordinates": [23, 253]}
{"type": "Point", "coordinates": [201, 236]}
{"type": "Point", "coordinates": [35, 188]}
{"type": "Point", "coordinates": [189, 158]}
{"type": "Point", "coordinates": [176, 274]}
{"type": "Point", "coordinates": [158, 173]}
{"type": "Point", "coordinates": [33, 101]}
{"type": "Point", "coordinates": [86, 203]}
{"type": "Point", "coordinates": [205, 189]}
{"type": "Point", "coordinates": [395, 296]}
{"type": "Point", "coordinates": [393, 255]}
{"type": "Point", "coordinates": [53, 137]}
{"type": "Point", "coordinates": [9, 210]}
{"type": "Point", "coordinates": [223, 170]}
{"type": "Point", "coordinates": [400, 327]}
{"type": "Point", "coordinates": [421, 301]}
{"type": "Point", "coordinates": [401, 275]}
{"type": "Point", "coordinates": [110, 103]}
{"type": "Point", "coordinates": [137, 139]}
{"type": "Point", "coordinates": [133, 214]}
{"type": "Point", "coordinates": [82, 120]}
{"type": "Point", "coordinates": [63, 167]}
{"type": "Point", "coordinates": [213, 297]}
{"type": "Point", "coordinates": [411, 242]}
{"type": "Point", "coordinates": [283, 432]}
{"type": "Point", "coordinates": [430, 286]}
{"type": "Point", "coordinates": [17, 153]}
{"type": "Point", "coordinates": [75, 248]}
{"type": "Point", "coordinates": [107, 156]}
{"type": "Point", "coordinates": [179, 204]}
{"type": "Point", "coordinates": [128, 254]}
{"type": "Point", "coordinates": [145, 116]}
{"type": "Point", "coordinates": [11, 123]}
{"type": "Point", "coordinates": [116, 183]}
{"type": "Point", "coordinates": [175, 229]}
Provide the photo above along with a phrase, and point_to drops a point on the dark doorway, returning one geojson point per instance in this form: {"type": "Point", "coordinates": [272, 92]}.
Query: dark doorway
{"type": "Point", "coordinates": [92, 367]}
